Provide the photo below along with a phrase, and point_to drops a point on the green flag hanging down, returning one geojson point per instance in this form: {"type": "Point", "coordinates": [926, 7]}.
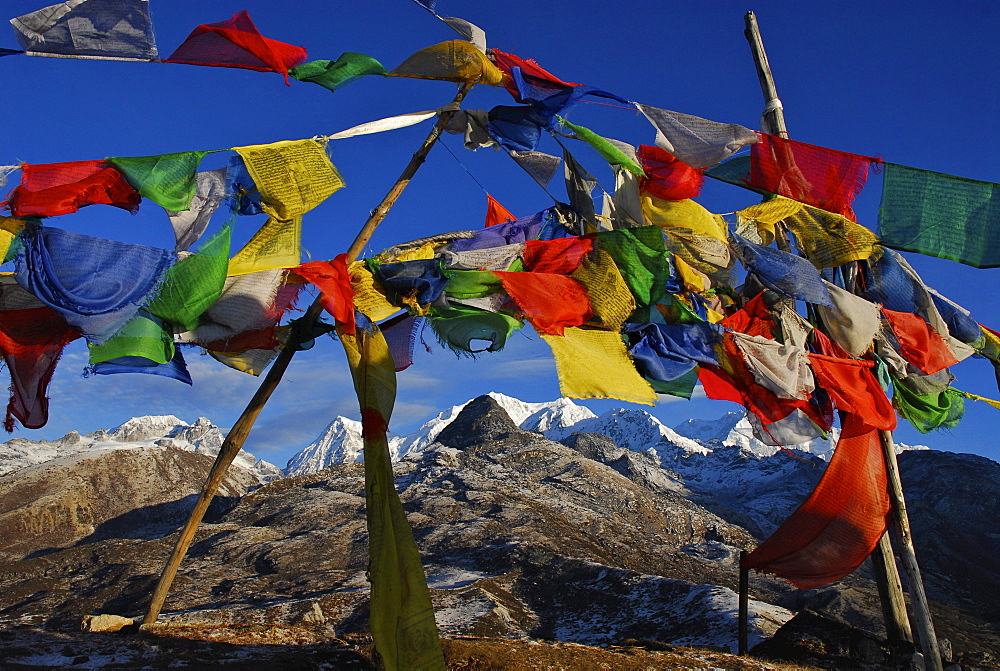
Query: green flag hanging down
{"type": "Point", "coordinates": [941, 215]}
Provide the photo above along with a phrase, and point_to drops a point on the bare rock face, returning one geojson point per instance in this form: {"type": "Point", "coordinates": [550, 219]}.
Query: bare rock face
{"type": "Point", "coordinates": [103, 494]}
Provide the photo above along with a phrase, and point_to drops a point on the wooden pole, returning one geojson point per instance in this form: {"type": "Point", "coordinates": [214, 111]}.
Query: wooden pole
{"type": "Point", "coordinates": [886, 573]}
{"type": "Point", "coordinates": [918, 598]}
{"type": "Point", "coordinates": [774, 115]}
{"type": "Point", "coordinates": [301, 331]}
{"type": "Point", "coordinates": [742, 634]}
{"type": "Point", "coordinates": [890, 591]}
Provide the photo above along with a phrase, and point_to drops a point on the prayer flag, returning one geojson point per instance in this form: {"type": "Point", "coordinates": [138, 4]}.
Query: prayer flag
{"type": "Point", "coordinates": [457, 327]}
{"type": "Point", "coordinates": [334, 282]}
{"type": "Point", "coordinates": [529, 68]}
{"type": "Point", "coordinates": [941, 215]}
{"type": "Point", "coordinates": [402, 617]}
{"type": "Point", "coordinates": [854, 389]}
{"type": "Point", "coordinates": [679, 216]}
{"type": "Point", "coordinates": [468, 31]}
{"type": "Point", "coordinates": [551, 302]}
{"type": "Point", "coordinates": [31, 342]}
{"type": "Point", "coordinates": [401, 333]}
{"type": "Point", "coordinates": [168, 179]}
{"type": "Point", "coordinates": [841, 522]}
{"type": "Point", "coordinates": [454, 61]}
{"type": "Point", "coordinates": [194, 283]}
{"type": "Point", "coordinates": [696, 141]}
{"type": "Point", "coordinates": [53, 189]}
{"type": "Point", "coordinates": [642, 259]}
{"type": "Point", "coordinates": [100, 29]}
{"type": "Point", "coordinates": [236, 43]}
{"type": "Point", "coordinates": [610, 152]}
{"type": "Point", "coordinates": [293, 176]}
{"type": "Point", "coordinates": [919, 343]}
{"type": "Point", "coordinates": [666, 176]}
{"type": "Point", "coordinates": [382, 125]}
{"type": "Point", "coordinates": [497, 213]}
{"type": "Point", "coordinates": [610, 299]}
{"type": "Point", "coordinates": [142, 337]}
{"type": "Point", "coordinates": [785, 273]}
{"type": "Point", "coordinates": [332, 75]}
{"type": "Point", "coordinates": [561, 256]}
{"type": "Point", "coordinates": [593, 363]}
{"type": "Point", "coordinates": [825, 178]}
{"type": "Point", "coordinates": [96, 284]}
{"type": "Point", "coordinates": [190, 223]}
{"type": "Point", "coordinates": [276, 244]}
{"type": "Point", "coordinates": [248, 303]}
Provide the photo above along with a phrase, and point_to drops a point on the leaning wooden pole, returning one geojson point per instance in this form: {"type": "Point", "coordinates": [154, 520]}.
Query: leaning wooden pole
{"type": "Point", "coordinates": [886, 573]}
{"type": "Point", "coordinates": [908, 557]}
{"type": "Point", "coordinates": [301, 332]}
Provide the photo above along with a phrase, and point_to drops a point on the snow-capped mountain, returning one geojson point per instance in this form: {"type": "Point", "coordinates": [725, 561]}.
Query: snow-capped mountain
{"type": "Point", "coordinates": [148, 432]}
{"type": "Point", "coordinates": [340, 443]}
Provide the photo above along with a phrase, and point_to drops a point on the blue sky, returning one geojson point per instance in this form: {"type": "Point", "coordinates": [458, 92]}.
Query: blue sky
{"type": "Point", "coordinates": [913, 83]}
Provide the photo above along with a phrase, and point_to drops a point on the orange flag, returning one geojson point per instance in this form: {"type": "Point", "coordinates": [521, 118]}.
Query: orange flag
{"type": "Point", "coordinates": [496, 213]}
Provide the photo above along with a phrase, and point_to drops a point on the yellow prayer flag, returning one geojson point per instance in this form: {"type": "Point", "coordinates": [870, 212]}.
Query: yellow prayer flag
{"type": "Point", "coordinates": [610, 298]}
{"type": "Point", "coordinates": [423, 252]}
{"type": "Point", "coordinates": [684, 214]}
{"type": "Point", "coordinates": [829, 239]}
{"type": "Point", "coordinates": [293, 176]}
{"type": "Point", "coordinates": [10, 227]}
{"type": "Point", "coordinates": [369, 298]}
{"type": "Point", "coordinates": [275, 245]}
{"type": "Point", "coordinates": [767, 214]}
{"type": "Point", "coordinates": [593, 363]}
{"type": "Point", "coordinates": [454, 61]}
{"type": "Point", "coordinates": [402, 618]}
{"type": "Point", "coordinates": [693, 279]}
{"type": "Point", "coordinates": [253, 361]}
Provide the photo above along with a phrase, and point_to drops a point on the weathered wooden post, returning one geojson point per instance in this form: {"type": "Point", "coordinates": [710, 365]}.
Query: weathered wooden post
{"type": "Point", "coordinates": [744, 607]}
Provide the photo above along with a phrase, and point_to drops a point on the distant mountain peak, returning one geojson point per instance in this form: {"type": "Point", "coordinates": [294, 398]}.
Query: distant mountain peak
{"type": "Point", "coordinates": [481, 420]}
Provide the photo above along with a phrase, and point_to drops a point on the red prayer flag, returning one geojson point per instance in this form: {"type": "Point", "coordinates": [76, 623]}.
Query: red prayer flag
{"type": "Point", "coordinates": [552, 302]}
{"type": "Point", "coordinates": [560, 256]}
{"type": "Point", "coordinates": [529, 68]}
{"type": "Point", "coordinates": [821, 177]}
{"type": "Point", "coordinates": [31, 342]}
{"type": "Point", "coordinates": [52, 189]}
{"type": "Point", "coordinates": [854, 389]}
{"type": "Point", "coordinates": [919, 344]}
{"type": "Point", "coordinates": [333, 280]}
{"type": "Point", "coordinates": [496, 213]}
{"type": "Point", "coordinates": [668, 177]}
{"type": "Point", "coordinates": [754, 319]}
{"type": "Point", "coordinates": [841, 522]}
{"type": "Point", "coordinates": [236, 43]}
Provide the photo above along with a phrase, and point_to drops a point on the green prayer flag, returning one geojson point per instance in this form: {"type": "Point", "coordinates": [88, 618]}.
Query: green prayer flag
{"type": "Point", "coordinates": [928, 411]}
{"type": "Point", "coordinates": [166, 179]}
{"type": "Point", "coordinates": [194, 283]}
{"type": "Point", "coordinates": [334, 74]}
{"type": "Point", "coordinates": [941, 215]}
{"type": "Point", "coordinates": [457, 327]}
{"type": "Point", "coordinates": [140, 337]}
{"type": "Point", "coordinates": [682, 386]}
{"type": "Point", "coordinates": [641, 257]}
{"type": "Point", "coordinates": [611, 153]}
{"type": "Point", "coordinates": [463, 284]}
